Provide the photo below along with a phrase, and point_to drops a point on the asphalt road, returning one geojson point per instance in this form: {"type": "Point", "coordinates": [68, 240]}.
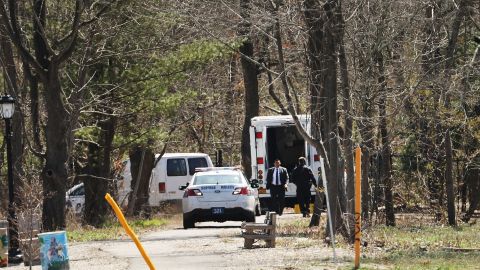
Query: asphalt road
{"type": "Point", "coordinates": [203, 247]}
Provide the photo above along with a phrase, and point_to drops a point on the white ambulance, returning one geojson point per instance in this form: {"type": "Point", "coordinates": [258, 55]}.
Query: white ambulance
{"type": "Point", "coordinates": [273, 137]}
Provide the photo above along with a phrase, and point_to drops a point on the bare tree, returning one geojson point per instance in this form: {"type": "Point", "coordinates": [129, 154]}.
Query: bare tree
{"type": "Point", "coordinates": [46, 57]}
{"type": "Point", "coordinates": [250, 82]}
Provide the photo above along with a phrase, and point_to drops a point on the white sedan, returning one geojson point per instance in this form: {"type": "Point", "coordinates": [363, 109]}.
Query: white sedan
{"type": "Point", "coordinates": [75, 198]}
{"type": "Point", "coordinates": [218, 194]}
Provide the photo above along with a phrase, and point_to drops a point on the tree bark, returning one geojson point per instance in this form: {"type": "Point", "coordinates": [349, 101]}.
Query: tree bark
{"type": "Point", "coordinates": [449, 181]}
{"type": "Point", "coordinates": [322, 47]}
{"type": "Point", "coordinates": [472, 178]}
{"type": "Point", "coordinates": [55, 171]}
{"type": "Point", "coordinates": [385, 166]}
{"type": "Point", "coordinates": [250, 82]}
{"type": "Point", "coordinates": [365, 181]}
{"type": "Point", "coordinates": [449, 65]}
{"type": "Point", "coordinates": [98, 174]}
{"type": "Point", "coordinates": [34, 105]}
{"type": "Point", "coordinates": [348, 125]}
{"type": "Point", "coordinates": [141, 170]}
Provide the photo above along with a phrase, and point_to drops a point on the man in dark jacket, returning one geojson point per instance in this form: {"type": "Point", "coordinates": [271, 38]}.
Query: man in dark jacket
{"type": "Point", "coordinates": [303, 178]}
{"type": "Point", "coordinates": [277, 178]}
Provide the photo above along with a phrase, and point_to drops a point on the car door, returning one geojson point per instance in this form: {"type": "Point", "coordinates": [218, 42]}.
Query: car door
{"type": "Point", "coordinates": [177, 175]}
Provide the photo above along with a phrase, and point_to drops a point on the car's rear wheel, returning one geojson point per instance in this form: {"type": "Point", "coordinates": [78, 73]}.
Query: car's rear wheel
{"type": "Point", "coordinates": [250, 217]}
{"type": "Point", "coordinates": [188, 222]}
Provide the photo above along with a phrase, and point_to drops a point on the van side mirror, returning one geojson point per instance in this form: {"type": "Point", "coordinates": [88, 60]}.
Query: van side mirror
{"type": "Point", "coordinates": [254, 185]}
{"type": "Point", "coordinates": [254, 181]}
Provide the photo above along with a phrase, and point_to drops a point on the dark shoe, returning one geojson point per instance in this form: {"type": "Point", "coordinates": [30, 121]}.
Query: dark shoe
{"type": "Point", "coordinates": [304, 215]}
{"type": "Point", "coordinates": [307, 215]}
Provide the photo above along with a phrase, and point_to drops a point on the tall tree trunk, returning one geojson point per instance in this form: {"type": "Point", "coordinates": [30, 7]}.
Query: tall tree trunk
{"type": "Point", "coordinates": [250, 82]}
{"type": "Point", "coordinates": [431, 132]}
{"type": "Point", "coordinates": [312, 14]}
{"type": "Point", "coordinates": [322, 47]}
{"type": "Point", "coordinates": [97, 180]}
{"type": "Point", "coordinates": [365, 180]}
{"type": "Point", "coordinates": [385, 166]}
{"type": "Point", "coordinates": [142, 161]}
{"type": "Point", "coordinates": [323, 75]}
{"type": "Point", "coordinates": [55, 171]}
{"type": "Point", "coordinates": [449, 65]}
{"type": "Point", "coordinates": [348, 124]}
{"type": "Point", "coordinates": [449, 180]}
{"type": "Point", "coordinates": [472, 178]}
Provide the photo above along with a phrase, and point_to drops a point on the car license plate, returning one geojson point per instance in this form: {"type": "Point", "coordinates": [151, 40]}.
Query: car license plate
{"type": "Point", "coordinates": [217, 210]}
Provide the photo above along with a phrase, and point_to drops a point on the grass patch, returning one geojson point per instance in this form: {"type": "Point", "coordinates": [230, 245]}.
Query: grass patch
{"type": "Point", "coordinates": [424, 237]}
{"type": "Point", "coordinates": [418, 246]}
{"type": "Point", "coordinates": [414, 244]}
{"type": "Point", "coordinates": [299, 228]}
{"type": "Point", "coordinates": [438, 260]}
{"type": "Point", "coordinates": [113, 230]}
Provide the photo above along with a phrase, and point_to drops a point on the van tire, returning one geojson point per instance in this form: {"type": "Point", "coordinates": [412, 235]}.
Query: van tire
{"type": "Point", "coordinates": [188, 222]}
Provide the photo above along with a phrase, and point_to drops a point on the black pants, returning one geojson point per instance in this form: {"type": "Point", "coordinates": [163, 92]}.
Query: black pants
{"type": "Point", "coordinates": [277, 194]}
{"type": "Point", "coordinates": [303, 198]}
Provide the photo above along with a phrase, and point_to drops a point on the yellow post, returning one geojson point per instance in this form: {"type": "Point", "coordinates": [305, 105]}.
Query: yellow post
{"type": "Point", "coordinates": [358, 210]}
{"type": "Point", "coordinates": [129, 231]}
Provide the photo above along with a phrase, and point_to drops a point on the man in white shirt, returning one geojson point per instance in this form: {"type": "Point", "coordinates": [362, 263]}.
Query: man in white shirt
{"type": "Point", "coordinates": [277, 179]}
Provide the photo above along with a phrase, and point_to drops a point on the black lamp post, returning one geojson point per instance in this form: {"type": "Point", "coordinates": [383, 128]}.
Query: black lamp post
{"type": "Point", "coordinates": [7, 108]}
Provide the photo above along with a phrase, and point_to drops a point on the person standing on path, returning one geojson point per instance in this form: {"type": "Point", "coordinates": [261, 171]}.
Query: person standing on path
{"type": "Point", "coordinates": [277, 179]}
{"type": "Point", "coordinates": [302, 177]}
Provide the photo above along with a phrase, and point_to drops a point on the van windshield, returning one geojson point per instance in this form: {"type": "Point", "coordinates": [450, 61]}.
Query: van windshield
{"type": "Point", "coordinates": [217, 179]}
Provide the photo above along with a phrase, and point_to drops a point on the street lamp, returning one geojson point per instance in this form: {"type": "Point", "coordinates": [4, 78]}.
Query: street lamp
{"type": "Point", "coordinates": [7, 108]}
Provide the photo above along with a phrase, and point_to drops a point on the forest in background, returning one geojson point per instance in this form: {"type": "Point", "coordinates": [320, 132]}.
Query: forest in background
{"type": "Point", "coordinates": [99, 82]}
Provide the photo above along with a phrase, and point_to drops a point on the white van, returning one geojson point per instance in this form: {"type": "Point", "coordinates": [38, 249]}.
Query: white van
{"type": "Point", "coordinates": [273, 137]}
{"type": "Point", "coordinates": [173, 170]}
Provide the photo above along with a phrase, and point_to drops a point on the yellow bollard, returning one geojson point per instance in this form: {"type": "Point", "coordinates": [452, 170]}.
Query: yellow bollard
{"type": "Point", "coordinates": [129, 231]}
{"type": "Point", "coordinates": [296, 208]}
{"type": "Point", "coordinates": [358, 210]}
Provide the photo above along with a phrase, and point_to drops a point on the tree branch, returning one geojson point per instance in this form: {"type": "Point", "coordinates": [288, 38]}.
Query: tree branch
{"type": "Point", "coordinates": [69, 48]}
{"type": "Point", "coordinates": [13, 30]}
{"type": "Point", "coordinates": [41, 31]}
{"type": "Point", "coordinates": [318, 144]}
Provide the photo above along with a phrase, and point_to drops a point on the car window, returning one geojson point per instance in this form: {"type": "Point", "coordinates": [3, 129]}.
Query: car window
{"type": "Point", "coordinates": [176, 167]}
{"type": "Point", "coordinates": [79, 191]}
{"type": "Point", "coordinates": [194, 163]}
{"type": "Point", "coordinates": [217, 179]}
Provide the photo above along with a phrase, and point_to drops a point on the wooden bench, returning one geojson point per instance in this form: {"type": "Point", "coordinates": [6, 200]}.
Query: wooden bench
{"type": "Point", "coordinates": [261, 231]}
